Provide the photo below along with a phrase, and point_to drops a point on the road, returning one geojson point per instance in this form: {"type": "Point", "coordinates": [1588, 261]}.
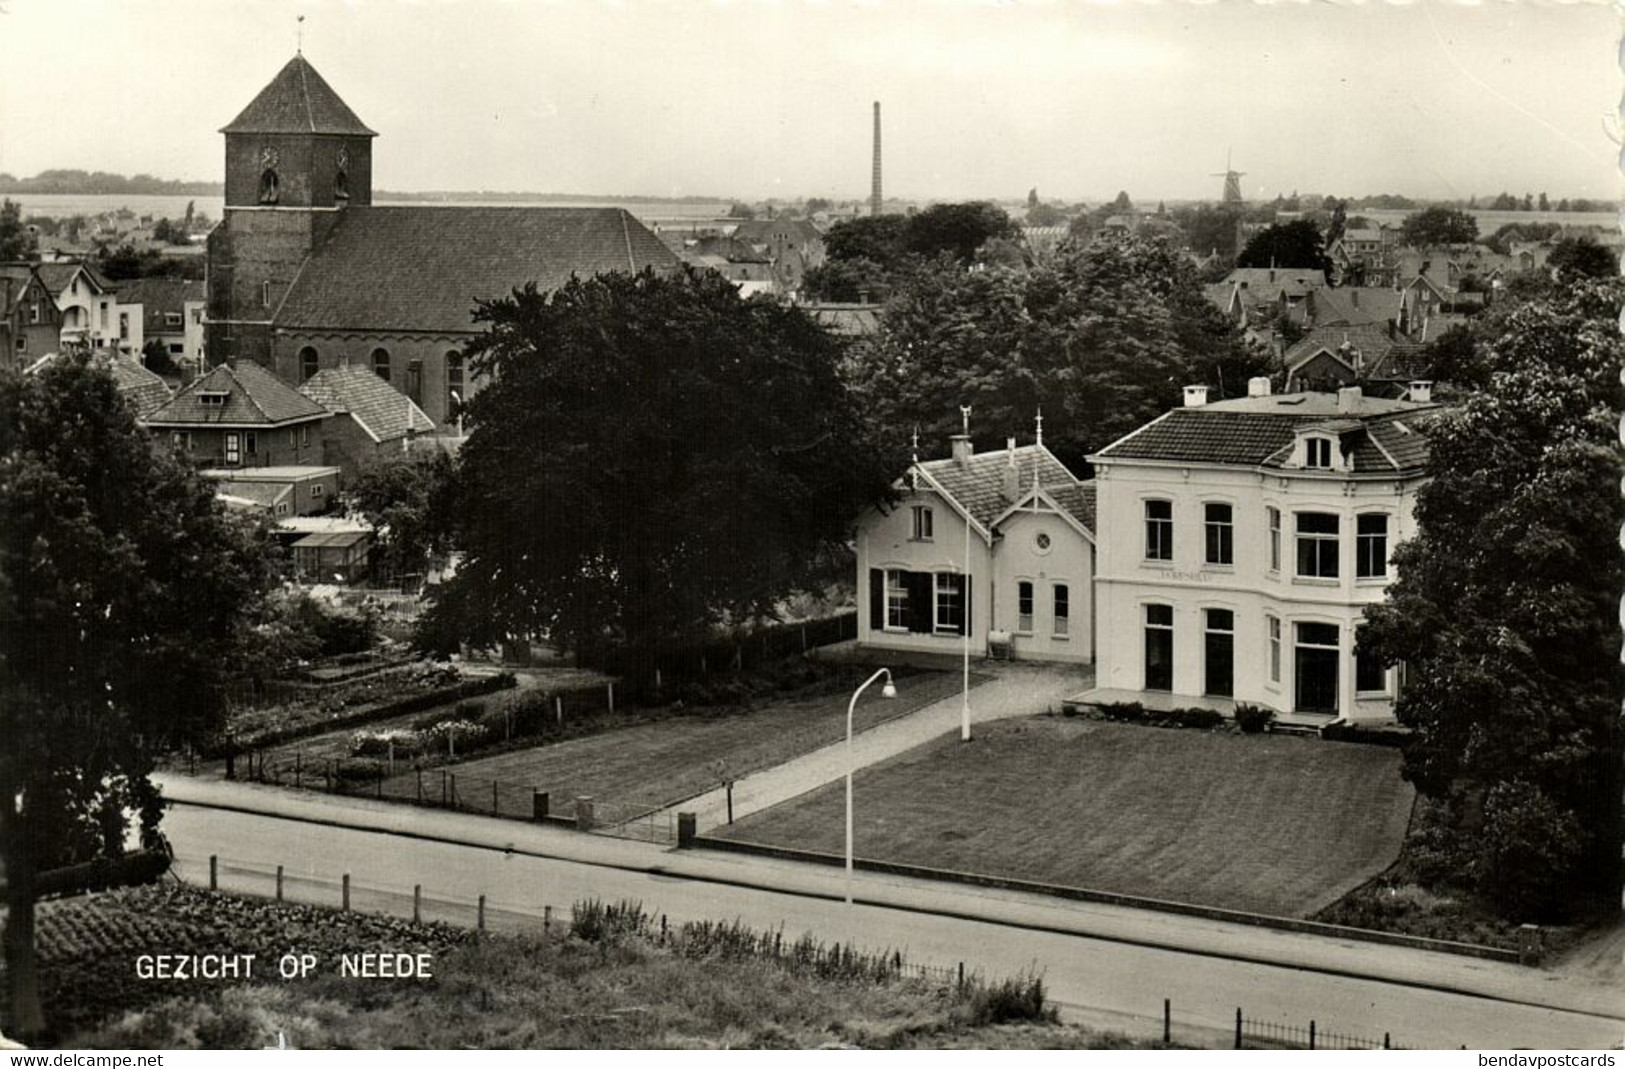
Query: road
{"type": "Point", "coordinates": [1106, 966]}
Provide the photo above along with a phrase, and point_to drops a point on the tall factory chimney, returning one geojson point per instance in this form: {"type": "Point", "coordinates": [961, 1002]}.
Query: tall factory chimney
{"type": "Point", "coordinates": [874, 191]}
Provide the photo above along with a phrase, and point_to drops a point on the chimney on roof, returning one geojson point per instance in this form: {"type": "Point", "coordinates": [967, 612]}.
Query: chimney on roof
{"type": "Point", "coordinates": [962, 449]}
{"type": "Point", "coordinates": [1421, 391]}
{"type": "Point", "coordinates": [1258, 386]}
{"type": "Point", "coordinates": [1012, 477]}
{"type": "Point", "coordinates": [1195, 396]}
{"type": "Point", "coordinates": [1348, 400]}
{"type": "Point", "coordinates": [1272, 272]}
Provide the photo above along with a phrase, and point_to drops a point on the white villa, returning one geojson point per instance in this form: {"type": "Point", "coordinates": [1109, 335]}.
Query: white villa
{"type": "Point", "coordinates": [1239, 544]}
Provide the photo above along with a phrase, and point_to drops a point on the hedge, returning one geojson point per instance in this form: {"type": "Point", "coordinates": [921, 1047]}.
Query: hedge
{"type": "Point", "coordinates": [142, 866]}
{"type": "Point", "coordinates": [1379, 736]}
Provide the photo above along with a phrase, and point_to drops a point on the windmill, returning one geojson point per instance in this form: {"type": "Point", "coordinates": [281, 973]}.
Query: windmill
{"type": "Point", "coordinates": [1232, 181]}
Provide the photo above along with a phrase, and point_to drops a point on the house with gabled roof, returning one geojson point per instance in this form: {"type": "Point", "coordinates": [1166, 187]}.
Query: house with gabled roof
{"type": "Point", "coordinates": [145, 391]}
{"type": "Point", "coordinates": [306, 273]}
{"type": "Point", "coordinates": [1376, 357]}
{"type": "Point", "coordinates": [1240, 543]}
{"type": "Point", "coordinates": [371, 419]}
{"type": "Point", "coordinates": [30, 321]}
{"type": "Point", "coordinates": [996, 548]}
{"type": "Point", "coordinates": [92, 313]}
{"type": "Point", "coordinates": [242, 416]}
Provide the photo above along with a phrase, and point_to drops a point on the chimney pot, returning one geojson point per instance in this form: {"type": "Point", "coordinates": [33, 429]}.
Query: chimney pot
{"type": "Point", "coordinates": [1195, 396]}
{"type": "Point", "coordinates": [1348, 400]}
{"type": "Point", "coordinates": [1421, 390]}
{"type": "Point", "coordinates": [962, 449]}
{"type": "Point", "coordinates": [1259, 386]}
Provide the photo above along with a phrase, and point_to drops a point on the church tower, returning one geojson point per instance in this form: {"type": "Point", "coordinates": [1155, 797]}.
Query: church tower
{"type": "Point", "coordinates": [296, 158]}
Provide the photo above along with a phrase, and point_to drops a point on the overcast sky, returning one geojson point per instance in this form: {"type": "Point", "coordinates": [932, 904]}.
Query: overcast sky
{"type": "Point", "coordinates": [751, 99]}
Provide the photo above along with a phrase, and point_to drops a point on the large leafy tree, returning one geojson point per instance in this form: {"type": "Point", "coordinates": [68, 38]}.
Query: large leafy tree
{"type": "Point", "coordinates": [1440, 226]}
{"type": "Point", "coordinates": [16, 241]}
{"type": "Point", "coordinates": [1294, 244]}
{"type": "Point", "coordinates": [123, 591]}
{"type": "Point", "coordinates": [1101, 339]}
{"type": "Point", "coordinates": [651, 456]}
{"type": "Point", "coordinates": [398, 495]}
{"type": "Point", "coordinates": [872, 255]}
{"type": "Point", "coordinates": [1505, 607]}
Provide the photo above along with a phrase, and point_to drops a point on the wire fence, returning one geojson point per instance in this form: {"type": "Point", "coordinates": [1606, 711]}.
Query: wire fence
{"type": "Point", "coordinates": [480, 913]}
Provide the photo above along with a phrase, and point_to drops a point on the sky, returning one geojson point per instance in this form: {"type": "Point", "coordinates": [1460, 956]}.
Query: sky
{"type": "Point", "coordinates": [772, 98]}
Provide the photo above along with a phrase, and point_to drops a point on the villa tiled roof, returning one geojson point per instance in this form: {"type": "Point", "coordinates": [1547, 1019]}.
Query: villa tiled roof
{"type": "Point", "coordinates": [297, 101]}
{"type": "Point", "coordinates": [1383, 355]}
{"type": "Point", "coordinates": [979, 483]}
{"type": "Point", "coordinates": [1259, 432]}
{"type": "Point", "coordinates": [422, 267]}
{"type": "Point", "coordinates": [254, 397]}
{"type": "Point", "coordinates": [385, 412]}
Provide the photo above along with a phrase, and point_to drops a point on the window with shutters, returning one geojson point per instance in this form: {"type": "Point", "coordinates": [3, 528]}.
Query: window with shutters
{"type": "Point", "coordinates": [896, 601]}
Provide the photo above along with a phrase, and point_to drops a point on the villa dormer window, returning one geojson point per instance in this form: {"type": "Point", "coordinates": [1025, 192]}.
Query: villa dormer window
{"type": "Point", "coordinates": [212, 398]}
{"type": "Point", "coordinates": [1317, 452]}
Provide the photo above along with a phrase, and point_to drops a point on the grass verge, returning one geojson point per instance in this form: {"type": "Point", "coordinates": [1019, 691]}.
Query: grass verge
{"type": "Point", "coordinates": [618, 987]}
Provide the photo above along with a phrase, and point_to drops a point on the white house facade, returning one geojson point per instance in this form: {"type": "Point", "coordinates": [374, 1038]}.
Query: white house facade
{"type": "Point", "coordinates": [1025, 583]}
{"type": "Point", "coordinates": [1239, 544]}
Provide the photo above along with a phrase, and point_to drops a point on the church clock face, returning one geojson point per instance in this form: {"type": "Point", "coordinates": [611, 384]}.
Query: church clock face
{"type": "Point", "coordinates": [268, 156]}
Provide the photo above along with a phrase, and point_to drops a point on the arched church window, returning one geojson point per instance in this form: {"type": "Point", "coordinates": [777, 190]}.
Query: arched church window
{"type": "Point", "coordinates": [380, 363]}
{"type": "Point", "coordinates": [308, 363]}
{"type": "Point", "coordinates": [341, 186]}
{"type": "Point", "coordinates": [269, 189]}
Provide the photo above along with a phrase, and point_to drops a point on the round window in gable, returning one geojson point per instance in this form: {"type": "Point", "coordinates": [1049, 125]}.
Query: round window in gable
{"type": "Point", "coordinates": [1041, 542]}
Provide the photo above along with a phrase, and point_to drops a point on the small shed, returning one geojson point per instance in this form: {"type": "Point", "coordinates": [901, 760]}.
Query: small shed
{"type": "Point", "coordinates": [329, 555]}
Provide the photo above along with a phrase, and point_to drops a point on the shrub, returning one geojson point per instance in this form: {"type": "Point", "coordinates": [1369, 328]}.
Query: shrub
{"type": "Point", "coordinates": [1371, 736]}
{"type": "Point", "coordinates": [378, 743]}
{"type": "Point", "coordinates": [1201, 719]}
{"type": "Point", "coordinates": [1126, 712]}
{"type": "Point", "coordinates": [1530, 850]}
{"type": "Point", "coordinates": [600, 922]}
{"type": "Point", "coordinates": [1018, 998]}
{"type": "Point", "coordinates": [358, 770]}
{"type": "Point", "coordinates": [1252, 719]}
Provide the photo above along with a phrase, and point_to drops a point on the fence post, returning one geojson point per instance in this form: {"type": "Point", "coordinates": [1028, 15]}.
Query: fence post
{"type": "Point", "coordinates": [214, 872]}
{"type": "Point", "coordinates": [298, 768]}
{"type": "Point", "coordinates": [1167, 1021]}
{"type": "Point", "coordinates": [420, 786]}
{"type": "Point", "coordinates": [584, 812]}
{"type": "Point", "coordinates": [960, 986]}
{"type": "Point", "coordinates": [1386, 1042]}
{"type": "Point", "coordinates": [279, 883]}
{"type": "Point", "coordinates": [346, 892]}
{"type": "Point", "coordinates": [686, 830]}
{"type": "Point", "coordinates": [610, 686]}
{"type": "Point", "coordinates": [547, 918]}
{"type": "Point", "coordinates": [417, 903]}
{"type": "Point", "coordinates": [730, 801]}
{"type": "Point", "coordinates": [442, 786]}
{"type": "Point", "coordinates": [1238, 1027]}
{"type": "Point", "coordinates": [493, 798]}
{"type": "Point", "coordinates": [479, 918]}
{"type": "Point", "coordinates": [538, 805]}
{"type": "Point", "coordinates": [453, 777]}
{"type": "Point", "coordinates": [1311, 1033]}
{"type": "Point", "coordinates": [558, 708]}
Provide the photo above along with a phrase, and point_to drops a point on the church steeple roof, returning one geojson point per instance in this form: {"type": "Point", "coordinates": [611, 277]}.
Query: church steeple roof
{"type": "Point", "coordinates": [298, 101]}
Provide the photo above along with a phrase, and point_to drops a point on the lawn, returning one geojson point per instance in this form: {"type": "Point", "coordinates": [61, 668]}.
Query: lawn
{"type": "Point", "coordinates": [664, 761]}
{"type": "Point", "coordinates": [1269, 823]}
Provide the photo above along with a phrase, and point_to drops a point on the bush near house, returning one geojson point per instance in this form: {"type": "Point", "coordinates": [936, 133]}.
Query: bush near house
{"type": "Point", "coordinates": [1253, 719]}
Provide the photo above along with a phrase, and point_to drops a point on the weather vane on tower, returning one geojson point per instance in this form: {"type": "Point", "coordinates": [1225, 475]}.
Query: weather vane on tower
{"type": "Point", "coordinates": [299, 36]}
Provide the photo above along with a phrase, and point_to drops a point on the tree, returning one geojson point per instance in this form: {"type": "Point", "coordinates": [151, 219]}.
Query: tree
{"type": "Point", "coordinates": [1584, 257]}
{"type": "Point", "coordinates": [1294, 244]}
{"type": "Point", "coordinates": [1101, 339]}
{"type": "Point", "coordinates": [818, 204]}
{"type": "Point", "coordinates": [957, 229]}
{"type": "Point", "coordinates": [1545, 205]}
{"type": "Point", "coordinates": [398, 495]}
{"type": "Point", "coordinates": [738, 210]}
{"type": "Point", "coordinates": [1122, 203]}
{"type": "Point", "coordinates": [1210, 229]}
{"type": "Point", "coordinates": [1439, 226]}
{"type": "Point", "coordinates": [16, 242]}
{"type": "Point", "coordinates": [1339, 221]}
{"type": "Point", "coordinates": [170, 233]}
{"type": "Point", "coordinates": [124, 588]}
{"type": "Point", "coordinates": [1504, 610]}
{"type": "Point", "coordinates": [652, 456]}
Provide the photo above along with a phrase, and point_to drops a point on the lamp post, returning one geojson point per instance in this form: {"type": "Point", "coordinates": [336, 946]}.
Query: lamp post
{"type": "Point", "coordinates": [888, 691]}
{"type": "Point", "coordinates": [964, 629]}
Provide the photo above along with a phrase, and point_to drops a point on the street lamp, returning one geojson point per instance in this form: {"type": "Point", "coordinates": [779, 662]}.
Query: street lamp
{"type": "Point", "coordinates": [887, 691]}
